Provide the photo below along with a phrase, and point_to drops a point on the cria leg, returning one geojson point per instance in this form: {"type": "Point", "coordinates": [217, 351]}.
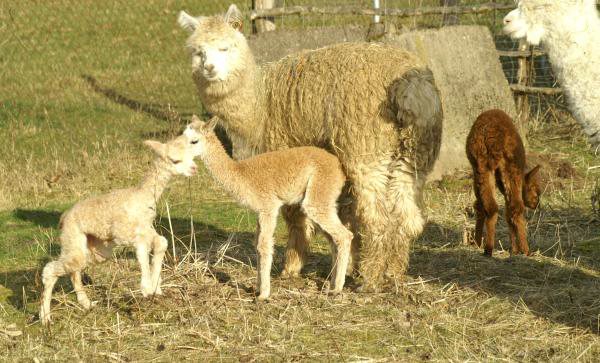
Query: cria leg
{"type": "Point", "coordinates": [340, 238]}
{"type": "Point", "coordinates": [320, 206]}
{"type": "Point", "coordinates": [72, 259]}
{"type": "Point", "coordinates": [142, 252]}
{"type": "Point", "coordinates": [159, 246]}
{"type": "Point", "coordinates": [486, 206]}
{"type": "Point", "coordinates": [264, 247]}
{"type": "Point", "coordinates": [348, 218]}
{"type": "Point", "coordinates": [299, 234]}
{"type": "Point", "coordinates": [52, 271]}
{"type": "Point", "coordinates": [517, 226]}
{"type": "Point", "coordinates": [82, 297]}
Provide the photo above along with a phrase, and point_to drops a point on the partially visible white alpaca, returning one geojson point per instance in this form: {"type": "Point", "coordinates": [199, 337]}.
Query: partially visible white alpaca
{"type": "Point", "coordinates": [306, 176]}
{"type": "Point", "coordinates": [93, 227]}
{"type": "Point", "coordinates": [570, 33]}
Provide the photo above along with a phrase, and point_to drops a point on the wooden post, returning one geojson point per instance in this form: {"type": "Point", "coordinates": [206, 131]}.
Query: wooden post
{"type": "Point", "coordinates": [263, 24]}
{"type": "Point", "coordinates": [523, 80]}
{"type": "Point", "coordinates": [449, 19]}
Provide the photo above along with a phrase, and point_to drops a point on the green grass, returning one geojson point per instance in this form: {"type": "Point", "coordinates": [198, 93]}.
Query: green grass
{"type": "Point", "coordinates": [85, 82]}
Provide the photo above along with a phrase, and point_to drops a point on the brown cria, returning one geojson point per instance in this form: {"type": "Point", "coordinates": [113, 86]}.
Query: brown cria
{"type": "Point", "coordinates": [496, 152]}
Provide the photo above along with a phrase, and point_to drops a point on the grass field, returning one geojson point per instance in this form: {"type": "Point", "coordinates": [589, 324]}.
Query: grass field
{"type": "Point", "coordinates": [82, 83]}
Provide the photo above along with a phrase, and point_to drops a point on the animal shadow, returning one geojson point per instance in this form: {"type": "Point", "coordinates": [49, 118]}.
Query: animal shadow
{"type": "Point", "coordinates": [560, 293]}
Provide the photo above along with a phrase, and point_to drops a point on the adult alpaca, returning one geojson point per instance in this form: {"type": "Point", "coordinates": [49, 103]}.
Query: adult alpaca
{"type": "Point", "coordinates": [570, 33]}
{"type": "Point", "coordinates": [375, 107]}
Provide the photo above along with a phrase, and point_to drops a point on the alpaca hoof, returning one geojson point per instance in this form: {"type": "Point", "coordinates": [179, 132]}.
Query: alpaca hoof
{"type": "Point", "coordinates": [262, 298]}
{"type": "Point", "coordinates": [487, 253]}
{"type": "Point", "coordinates": [85, 303]}
{"type": "Point", "coordinates": [158, 291]}
{"type": "Point", "coordinates": [290, 274]}
{"type": "Point", "coordinates": [45, 319]}
{"type": "Point", "coordinates": [335, 292]}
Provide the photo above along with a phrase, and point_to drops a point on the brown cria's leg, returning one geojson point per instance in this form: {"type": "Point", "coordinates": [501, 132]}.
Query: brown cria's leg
{"type": "Point", "coordinates": [484, 189]}
{"type": "Point", "coordinates": [515, 209]}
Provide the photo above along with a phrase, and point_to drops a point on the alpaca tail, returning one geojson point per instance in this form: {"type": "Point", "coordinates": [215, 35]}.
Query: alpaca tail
{"type": "Point", "coordinates": [415, 99]}
{"type": "Point", "coordinates": [417, 104]}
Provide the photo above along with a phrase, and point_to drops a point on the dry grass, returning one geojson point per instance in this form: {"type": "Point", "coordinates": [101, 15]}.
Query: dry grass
{"type": "Point", "coordinates": [63, 139]}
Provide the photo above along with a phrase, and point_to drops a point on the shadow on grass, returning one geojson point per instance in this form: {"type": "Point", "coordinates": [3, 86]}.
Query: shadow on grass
{"type": "Point", "coordinates": [158, 111]}
{"type": "Point", "coordinates": [547, 288]}
{"type": "Point", "coordinates": [42, 218]}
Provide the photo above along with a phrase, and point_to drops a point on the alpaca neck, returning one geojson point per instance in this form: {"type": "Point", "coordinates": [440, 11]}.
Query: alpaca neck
{"type": "Point", "coordinates": [221, 167]}
{"type": "Point", "coordinates": [238, 102]}
{"type": "Point", "coordinates": [156, 181]}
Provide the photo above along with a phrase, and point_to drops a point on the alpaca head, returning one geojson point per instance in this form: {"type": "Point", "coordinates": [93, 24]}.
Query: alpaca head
{"type": "Point", "coordinates": [178, 154]}
{"type": "Point", "coordinates": [531, 189]}
{"type": "Point", "coordinates": [532, 19]}
{"type": "Point", "coordinates": [217, 46]}
{"type": "Point", "coordinates": [522, 23]}
{"type": "Point", "coordinates": [204, 131]}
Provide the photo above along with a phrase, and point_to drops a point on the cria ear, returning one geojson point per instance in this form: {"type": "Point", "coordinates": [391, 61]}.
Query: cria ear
{"type": "Point", "coordinates": [210, 125]}
{"type": "Point", "coordinates": [234, 17]}
{"type": "Point", "coordinates": [188, 22]}
{"type": "Point", "coordinates": [196, 123]}
{"type": "Point", "coordinates": [159, 148]}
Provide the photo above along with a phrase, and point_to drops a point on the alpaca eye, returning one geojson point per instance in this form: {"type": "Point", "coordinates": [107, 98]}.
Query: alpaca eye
{"type": "Point", "coordinates": [175, 161]}
{"type": "Point", "coordinates": [224, 49]}
{"type": "Point", "coordinates": [194, 142]}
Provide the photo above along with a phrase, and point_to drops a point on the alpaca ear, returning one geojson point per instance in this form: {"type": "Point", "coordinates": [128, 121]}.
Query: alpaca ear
{"type": "Point", "coordinates": [158, 147]}
{"type": "Point", "coordinates": [533, 172]}
{"type": "Point", "coordinates": [210, 125]}
{"type": "Point", "coordinates": [188, 22]}
{"type": "Point", "coordinates": [234, 17]}
{"type": "Point", "coordinates": [196, 123]}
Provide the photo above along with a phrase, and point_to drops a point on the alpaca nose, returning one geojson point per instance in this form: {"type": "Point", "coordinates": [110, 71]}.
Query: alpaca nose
{"type": "Point", "coordinates": [209, 67]}
{"type": "Point", "coordinates": [193, 169]}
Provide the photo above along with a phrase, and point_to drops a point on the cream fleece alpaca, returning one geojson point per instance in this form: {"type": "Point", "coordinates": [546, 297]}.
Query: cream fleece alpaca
{"type": "Point", "coordinates": [373, 106]}
{"type": "Point", "coordinates": [93, 227]}
{"type": "Point", "coordinates": [306, 176]}
{"type": "Point", "coordinates": [570, 32]}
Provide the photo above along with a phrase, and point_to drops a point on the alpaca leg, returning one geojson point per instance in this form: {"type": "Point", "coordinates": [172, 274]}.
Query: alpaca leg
{"type": "Point", "coordinates": [72, 259]}
{"type": "Point", "coordinates": [52, 271]}
{"type": "Point", "coordinates": [480, 219]}
{"type": "Point", "coordinates": [264, 248]}
{"type": "Point", "coordinates": [348, 218]}
{"type": "Point", "coordinates": [518, 228]}
{"type": "Point", "coordinates": [397, 221]}
{"type": "Point", "coordinates": [159, 247]}
{"type": "Point", "coordinates": [299, 233]}
{"type": "Point", "coordinates": [340, 237]}
{"type": "Point", "coordinates": [142, 252]}
{"type": "Point", "coordinates": [82, 297]}
{"type": "Point", "coordinates": [319, 203]}
{"type": "Point", "coordinates": [403, 201]}
{"type": "Point", "coordinates": [368, 189]}
{"type": "Point", "coordinates": [485, 187]}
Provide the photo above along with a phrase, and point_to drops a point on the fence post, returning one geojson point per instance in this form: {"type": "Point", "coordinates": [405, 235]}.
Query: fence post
{"type": "Point", "coordinates": [263, 24]}
{"type": "Point", "coordinates": [449, 19]}
{"type": "Point", "coordinates": [523, 73]}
